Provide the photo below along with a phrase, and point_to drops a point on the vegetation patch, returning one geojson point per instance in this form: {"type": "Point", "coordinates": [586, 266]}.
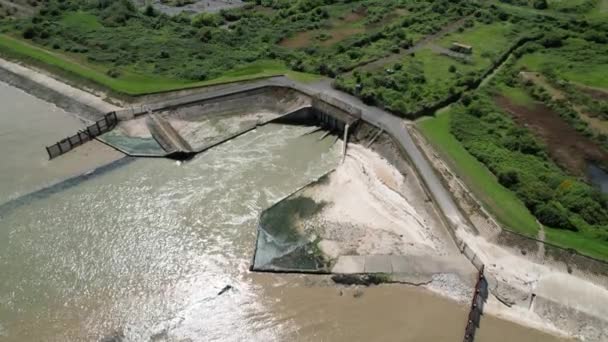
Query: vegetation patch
{"type": "Point", "coordinates": [575, 60]}
{"type": "Point", "coordinates": [433, 76]}
{"type": "Point", "coordinates": [500, 201]}
{"type": "Point", "coordinates": [282, 220]}
{"type": "Point", "coordinates": [488, 41]}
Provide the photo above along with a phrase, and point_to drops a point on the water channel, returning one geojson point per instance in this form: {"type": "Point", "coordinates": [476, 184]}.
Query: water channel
{"type": "Point", "coordinates": [144, 249]}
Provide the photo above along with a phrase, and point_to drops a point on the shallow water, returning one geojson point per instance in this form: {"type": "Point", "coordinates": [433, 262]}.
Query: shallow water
{"type": "Point", "coordinates": [146, 248]}
{"type": "Point", "coordinates": [27, 126]}
{"type": "Point", "coordinates": [598, 177]}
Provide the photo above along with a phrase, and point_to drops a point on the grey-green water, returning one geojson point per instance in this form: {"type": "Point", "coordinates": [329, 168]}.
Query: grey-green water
{"type": "Point", "coordinates": [144, 249]}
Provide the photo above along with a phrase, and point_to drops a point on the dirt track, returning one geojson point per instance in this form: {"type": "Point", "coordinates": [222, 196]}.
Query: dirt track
{"type": "Point", "coordinates": [566, 146]}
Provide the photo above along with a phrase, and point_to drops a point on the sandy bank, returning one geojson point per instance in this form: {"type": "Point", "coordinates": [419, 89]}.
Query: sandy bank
{"type": "Point", "coordinates": [368, 216]}
{"type": "Point", "coordinates": [370, 210]}
{"type": "Point", "coordinates": [83, 104]}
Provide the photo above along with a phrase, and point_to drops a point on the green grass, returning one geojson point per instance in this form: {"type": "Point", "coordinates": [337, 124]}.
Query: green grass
{"type": "Point", "coordinates": [593, 75]}
{"type": "Point", "coordinates": [436, 66]}
{"type": "Point", "coordinates": [589, 246]}
{"type": "Point", "coordinates": [81, 21]}
{"type": "Point", "coordinates": [565, 4]}
{"type": "Point", "coordinates": [488, 40]}
{"type": "Point", "coordinates": [129, 82]}
{"type": "Point", "coordinates": [588, 71]}
{"type": "Point", "coordinates": [501, 202]}
{"type": "Point", "coordinates": [517, 96]}
{"type": "Point", "coordinates": [600, 12]}
{"type": "Point", "coordinates": [524, 11]}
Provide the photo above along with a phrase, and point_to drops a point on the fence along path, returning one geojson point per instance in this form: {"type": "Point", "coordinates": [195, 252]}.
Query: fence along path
{"type": "Point", "coordinates": [479, 298]}
{"type": "Point", "coordinates": [100, 127]}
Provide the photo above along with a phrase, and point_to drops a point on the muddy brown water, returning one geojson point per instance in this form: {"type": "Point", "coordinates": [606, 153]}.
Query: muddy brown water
{"type": "Point", "coordinates": [144, 250]}
{"type": "Point", "coordinates": [27, 126]}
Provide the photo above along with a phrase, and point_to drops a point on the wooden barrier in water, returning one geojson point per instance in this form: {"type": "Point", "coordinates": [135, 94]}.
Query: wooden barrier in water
{"type": "Point", "coordinates": [479, 298]}
{"type": "Point", "coordinates": [100, 127]}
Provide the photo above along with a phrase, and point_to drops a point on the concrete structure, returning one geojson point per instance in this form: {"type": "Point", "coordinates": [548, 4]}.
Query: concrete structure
{"type": "Point", "coordinates": [194, 123]}
{"type": "Point", "coordinates": [549, 297]}
{"type": "Point", "coordinates": [462, 48]}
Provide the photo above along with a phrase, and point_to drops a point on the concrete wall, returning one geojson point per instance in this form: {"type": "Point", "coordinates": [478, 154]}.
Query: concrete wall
{"type": "Point", "coordinates": [267, 99]}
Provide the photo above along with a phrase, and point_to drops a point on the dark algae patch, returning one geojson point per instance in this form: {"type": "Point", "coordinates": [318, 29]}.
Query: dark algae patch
{"type": "Point", "coordinates": [284, 246]}
{"type": "Point", "coordinates": [280, 220]}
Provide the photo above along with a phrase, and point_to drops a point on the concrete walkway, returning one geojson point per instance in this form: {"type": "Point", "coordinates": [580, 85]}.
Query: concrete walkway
{"type": "Point", "coordinates": [400, 264]}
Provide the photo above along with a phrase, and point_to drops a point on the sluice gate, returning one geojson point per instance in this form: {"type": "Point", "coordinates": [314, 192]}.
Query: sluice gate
{"type": "Point", "coordinates": [100, 127]}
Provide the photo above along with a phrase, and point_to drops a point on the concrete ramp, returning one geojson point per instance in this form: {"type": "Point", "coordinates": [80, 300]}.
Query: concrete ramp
{"type": "Point", "coordinates": [166, 135]}
{"type": "Point", "coordinates": [207, 123]}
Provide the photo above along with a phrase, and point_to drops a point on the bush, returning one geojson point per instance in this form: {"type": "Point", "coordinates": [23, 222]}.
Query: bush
{"type": "Point", "coordinates": [114, 73]}
{"type": "Point", "coordinates": [552, 41]}
{"type": "Point", "coordinates": [541, 4]}
{"type": "Point", "coordinates": [29, 32]}
{"type": "Point", "coordinates": [206, 19]}
{"type": "Point", "coordinates": [554, 215]}
{"type": "Point", "coordinates": [508, 178]}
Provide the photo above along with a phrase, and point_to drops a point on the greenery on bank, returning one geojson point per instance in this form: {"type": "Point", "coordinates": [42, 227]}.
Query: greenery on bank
{"type": "Point", "coordinates": [130, 82]}
{"type": "Point", "coordinates": [578, 60]}
{"type": "Point", "coordinates": [521, 164]}
{"type": "Point", "coordinates": [500, 201]}
{"type": "Point", "coordinates": [138, 50]}
{"type": "Point", "coordinates": [509, 169]}
{"type": "Point", "coordinates": [505, 204]}
{"type": "Point", "coordinates": [434, 74]}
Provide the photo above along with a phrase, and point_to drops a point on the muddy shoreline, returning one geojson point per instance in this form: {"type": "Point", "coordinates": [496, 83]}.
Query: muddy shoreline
{"type": "Point", "coordinates": [86, 106]}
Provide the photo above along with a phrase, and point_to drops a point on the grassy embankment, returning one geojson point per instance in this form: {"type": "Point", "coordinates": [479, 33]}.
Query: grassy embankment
{"type": "Point", "coordinates": [501, 202]}
{"type": "Point", "coordinates": [570, 62]}
{"type": "Point", "coordinates": [129, 82]}
{"type": "Point", "coordinates": [498, 200]}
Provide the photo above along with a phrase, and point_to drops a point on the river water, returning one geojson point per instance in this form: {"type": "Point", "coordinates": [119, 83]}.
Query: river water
{"type": "Point", "coordinates": [27, 125]}
{"type": "Point", "coordinates": [598, 177]}
{"type": "Point", "coordinates": [145, 248]}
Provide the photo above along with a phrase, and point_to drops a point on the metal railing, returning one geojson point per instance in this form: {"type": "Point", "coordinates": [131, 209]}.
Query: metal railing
{"type": "Point", "coordinates": [479, 298]}
{"type": "Point", "coordinates": [100, 127]}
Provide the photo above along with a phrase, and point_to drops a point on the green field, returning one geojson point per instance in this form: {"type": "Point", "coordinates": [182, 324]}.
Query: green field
{"type": "Point", "coordinates": [593, 247]}
{"type": "Point", "coordinates": [81, 20]}
{"type": "Point", "coordinates": [498, 200]}
{"type": "Point", "coordinates": [488, 40]}
{"type": "Point", "coordinates": [129, 82]}
{"type": "Point", "coordinates": [517, 95]}
{"type": "Point", "coordinates": [577, 61]}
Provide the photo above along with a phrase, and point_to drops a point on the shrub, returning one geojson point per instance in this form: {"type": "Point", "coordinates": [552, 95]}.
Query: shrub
{"type": "Point", "coordinates": [29, 32]}
{"type": "Point", "coordinates": [541, 4]}
{"type": "Point", "coordinates": [508, 178]}
{"type": "Point", "coordinates": [207, 19]}
{"type": "Point", "coordinates": [114, 73]}
{"type": "Point", "coordinates": [554, 215]}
